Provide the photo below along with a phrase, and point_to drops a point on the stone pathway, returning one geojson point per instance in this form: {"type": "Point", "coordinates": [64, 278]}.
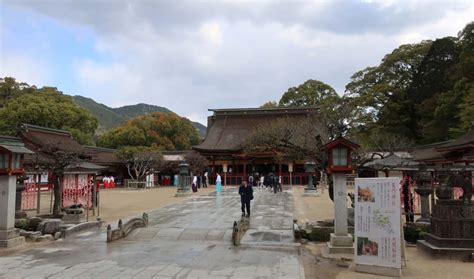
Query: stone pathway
{"type": "Point", "coordinates": [191, 239]}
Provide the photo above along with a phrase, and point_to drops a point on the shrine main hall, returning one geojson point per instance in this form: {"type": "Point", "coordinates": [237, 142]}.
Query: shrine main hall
{"type": "Point", "coordinates": [228, 130]}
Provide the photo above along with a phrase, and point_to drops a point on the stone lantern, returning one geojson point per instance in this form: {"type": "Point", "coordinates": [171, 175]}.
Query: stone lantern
{"type": "Point", "coordinates": [12, 151]}
{"type": "Point", "coordinates": [183, 187]}
{"type": "Point", "coordinates": [423, 181]}
{"type": "Point", "coordinates": [339, 152]}
{"type": "Point", "coordinates": [310, 168]}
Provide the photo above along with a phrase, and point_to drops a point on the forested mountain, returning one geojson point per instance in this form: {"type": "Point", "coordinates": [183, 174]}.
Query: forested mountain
{"type": "Point", "coordinates": [107, 117]}
{"type": "Point", "coordinates": [132, 111]}
{"type": "Point", "coordinates": [113, 117]}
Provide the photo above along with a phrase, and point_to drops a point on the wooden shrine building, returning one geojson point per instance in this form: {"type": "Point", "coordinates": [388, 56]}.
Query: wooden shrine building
{"type": "Point", "coordinates": [453, 154]}
{"type": "Point", "coordinates": [228, 131]}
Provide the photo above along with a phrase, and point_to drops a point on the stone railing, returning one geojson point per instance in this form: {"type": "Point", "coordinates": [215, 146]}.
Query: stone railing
{"type": "Point", "coordinates": [123, 230]}
{"type": "Point", "coordinates": [66, 232]}
{"type": "Point", "coordinates": [239, 229]}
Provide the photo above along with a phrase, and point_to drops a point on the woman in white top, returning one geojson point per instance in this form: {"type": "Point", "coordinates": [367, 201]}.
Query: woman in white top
{"type": "Point", "coordinates": [218, 183]}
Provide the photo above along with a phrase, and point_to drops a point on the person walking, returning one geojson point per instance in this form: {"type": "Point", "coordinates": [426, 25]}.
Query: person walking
{"type": "Point", "coordinates": [204, 180]}
{"type": "Point", "coordinates": [251, 180]}
{"type": "Point", "coordinates": [262, 177]}
{"type": "Point", "coordinates": [274, 183]}
{"type": "Point", "coordinates": [194, 185]}
{"type": "Point", "coordinates": [280, 183]}
{"type": "Point", "coordinates": [218, 183]}
{"type": "Point", "coordinates": [246, 195]}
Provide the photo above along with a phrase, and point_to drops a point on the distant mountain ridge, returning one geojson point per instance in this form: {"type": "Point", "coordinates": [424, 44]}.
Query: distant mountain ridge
{"type": "Point", "coordinates": [113, 117]}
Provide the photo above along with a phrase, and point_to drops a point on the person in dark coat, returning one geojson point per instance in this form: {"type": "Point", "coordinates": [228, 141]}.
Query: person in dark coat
{"type": "Point", "coordinates": [274, 183]}
{"type": "Point", "coordinates": [246, 195]}
{"type": "Point", "coordinates": [268, 181]}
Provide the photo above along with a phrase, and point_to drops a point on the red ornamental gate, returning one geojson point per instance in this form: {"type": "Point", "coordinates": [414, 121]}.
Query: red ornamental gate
{"type": "Point", "coordinates": [29, 196]}
{"type": "Point", "coordinates": [77, 189]}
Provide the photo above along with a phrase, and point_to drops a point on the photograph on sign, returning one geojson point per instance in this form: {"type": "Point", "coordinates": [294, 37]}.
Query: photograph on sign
{"type": "Point", "coordinates": [365, 194]}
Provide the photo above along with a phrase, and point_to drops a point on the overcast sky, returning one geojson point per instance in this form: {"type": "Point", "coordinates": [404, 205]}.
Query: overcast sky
{"type": "Point", "coordinates": [189, 56]}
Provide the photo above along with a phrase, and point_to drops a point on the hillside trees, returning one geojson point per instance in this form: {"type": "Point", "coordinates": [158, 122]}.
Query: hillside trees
{"type": "Point", "coordinates": [47, 107]}
{"type": "Point", "coordinates": [162, 131]}
{"type": "Point", "coordinates": [381, 93]}
{"type": "Point", "coordinates": [139, 141]}
{"type": "Point", "coordinates": [419, 91]}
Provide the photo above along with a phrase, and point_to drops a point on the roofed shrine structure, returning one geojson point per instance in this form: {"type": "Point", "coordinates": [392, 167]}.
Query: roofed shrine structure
{"type": "Point", "coordinates": [453, 154]}
{"type": "Point", "coordinates": [228, 130]}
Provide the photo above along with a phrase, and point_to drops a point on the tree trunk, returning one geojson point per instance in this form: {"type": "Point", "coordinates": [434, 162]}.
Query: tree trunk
{"type": "Point", "coordinates": [57, 196]}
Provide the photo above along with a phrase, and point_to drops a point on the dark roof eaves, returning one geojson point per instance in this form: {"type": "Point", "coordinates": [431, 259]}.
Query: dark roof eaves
{"type": "Point", "coordinates": [27, 127]}
{"type": "Point", "coordinates": [259, 111]}
{"type": "Point", "coordinates": [99, 148]}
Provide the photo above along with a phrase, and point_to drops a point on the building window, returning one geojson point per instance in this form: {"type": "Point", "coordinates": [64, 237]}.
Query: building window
{"type": "Point", "coordinates": [3, 161]}
{"type": "Point", "coordinates": [339, 157]}
{"type": "Point", "coordinates": [16, 161]}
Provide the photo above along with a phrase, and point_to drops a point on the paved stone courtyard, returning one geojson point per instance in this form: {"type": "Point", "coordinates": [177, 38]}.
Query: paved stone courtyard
{"type": "Point", "coordinates": [191, 239]}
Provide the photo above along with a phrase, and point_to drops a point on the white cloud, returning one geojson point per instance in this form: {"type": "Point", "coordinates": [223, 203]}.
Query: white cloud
{"type": "Point", "coordinates": [24, 68]}
{"type": "Point", "coordinates": [190, 56]}
{"type": "Point", "coordinates": [211, 33]}
{"type": "Point", "coordinates": [112, 82]}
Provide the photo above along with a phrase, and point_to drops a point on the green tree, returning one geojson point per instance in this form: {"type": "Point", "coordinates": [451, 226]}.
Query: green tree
{"type": "Point", "coordinates": [140, 161]}
{"type": "Point", "coordinates": [310, 93]}
{"type": "Point", "coordinates": [380, 93]}
{"type": "Point", "coordinates": [163, 131]}
{"type": "Point", "coordinates": [466, 57]}
{"type": "Point", "coordinates": [433, 92]}
{"type": "Point", "coordinates": [335, 112]}
{"type": "Point", "coordinates": [270, 104]}
{"type": "Point", "coordinates": [197, 162]}
{"type": "Point", "coordinates": [47, 107]}
{"type": "Point", "coordinates": [56, 160]}
{"type": "Point", "coordinates": [287, 141]}
{"type": "Point", "coordinates": [10, 88]}
{"type": "Point", "coordinates": [466, 112]}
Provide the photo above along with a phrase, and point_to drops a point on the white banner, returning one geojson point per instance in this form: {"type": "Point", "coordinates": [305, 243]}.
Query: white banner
{"type": "Point", "coordinates": [377, 222]}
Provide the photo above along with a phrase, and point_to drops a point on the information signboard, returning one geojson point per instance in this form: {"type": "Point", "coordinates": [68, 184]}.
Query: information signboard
{"type": "Point", "coordinates": [377, 222]}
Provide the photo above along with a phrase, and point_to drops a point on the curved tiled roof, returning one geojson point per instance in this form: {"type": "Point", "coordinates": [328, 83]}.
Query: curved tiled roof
{"type": "Point", "coordinates": [36, 137]}
{"type": "Point", "coordinates": [467, 140]}
{"type": "Point", "coordinates": [228, 129]}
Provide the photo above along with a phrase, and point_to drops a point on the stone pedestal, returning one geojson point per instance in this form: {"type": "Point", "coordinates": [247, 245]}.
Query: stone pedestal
{"type": "Point", "coordinates": [183, 193]}
{"type": "Point", "coordinates": [9, 236]}
{"type": "Point", "coordinates": [183, 187]}
{"type": "Point", "coordinates": [341, 242]}
{"type": "Point", "coordinates": [19, 214]}
{"type": "Point", "coordinates": [425, 205]}
{"type": "Point", "coordinates": [379, 270]}
{"type": "Point", "coordinates": [452, 230]}
{"type": "Point", "coordinates": [310, 193]}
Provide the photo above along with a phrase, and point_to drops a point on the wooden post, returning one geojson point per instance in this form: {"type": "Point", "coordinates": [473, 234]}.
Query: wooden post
{"type": "Point", "coordinates": [38, 198]}
{"type": "Point", "coordinates": [94, 194]}
{"type": "Point", "coordinates": [88, 200]}
{"type": "Point", "coordinates": [51, 200]}
{"type": "Point", "coordinates": [245, 172]}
